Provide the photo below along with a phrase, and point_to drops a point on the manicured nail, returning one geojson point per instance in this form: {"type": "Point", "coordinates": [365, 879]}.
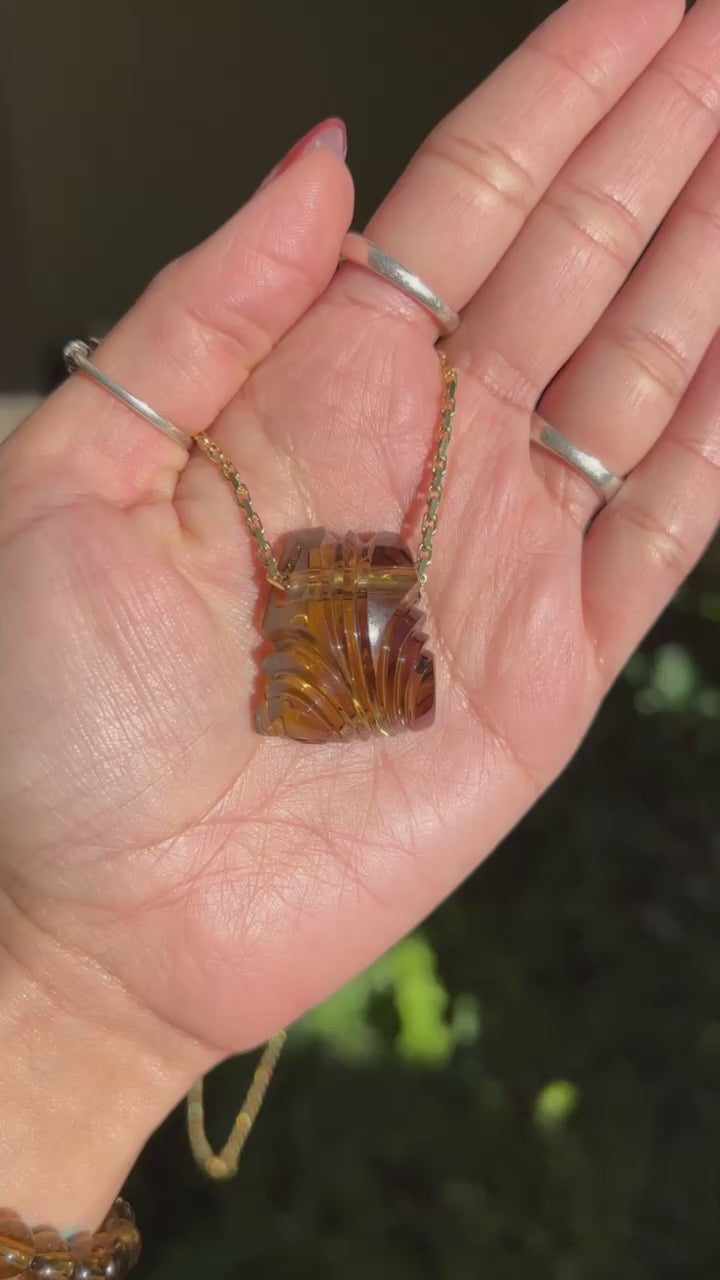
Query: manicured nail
{"type": "Point", "coordinates": [329, 134]}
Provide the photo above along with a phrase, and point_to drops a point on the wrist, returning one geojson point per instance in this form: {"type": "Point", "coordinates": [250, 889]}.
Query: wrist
{"type": "Point", "coordinates": [86, 1075]}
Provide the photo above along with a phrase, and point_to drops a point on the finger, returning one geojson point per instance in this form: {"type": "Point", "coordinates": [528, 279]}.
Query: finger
{"type": "Point", "coordinates": [579, 246]}
{"type": "Point", "coordinates": [189, 343]}
{"type": "Point", "coordinates": [619, 392]}
{"type": "Point", "coordinates": [472, 184]}
{"type": "Point", "coordinates": [647, 540]}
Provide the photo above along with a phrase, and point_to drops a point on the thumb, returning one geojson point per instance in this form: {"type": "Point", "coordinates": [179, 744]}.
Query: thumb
{"type": "Point", "coordinates": [190, 342]}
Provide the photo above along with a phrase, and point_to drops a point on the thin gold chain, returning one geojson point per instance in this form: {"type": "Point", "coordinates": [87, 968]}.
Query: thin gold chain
{"type": "Point", "coordinates": [223, 1164]}
{"type": "Point", "coordinates": [439, 467]}
{"type": "Point", "coordinates": [434, 495]}
{"type": "Point", "coordinates": [244, 501]}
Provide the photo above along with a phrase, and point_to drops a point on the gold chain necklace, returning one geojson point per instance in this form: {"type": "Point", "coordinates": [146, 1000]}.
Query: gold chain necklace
{"type": "Point", "coordinates": [353, 576]}
{"type": "Point", "coordinates": [348, 653]}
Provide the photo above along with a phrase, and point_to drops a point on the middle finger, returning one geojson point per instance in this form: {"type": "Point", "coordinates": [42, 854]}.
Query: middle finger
{"type": "Point", "coordinates": [468, 190]}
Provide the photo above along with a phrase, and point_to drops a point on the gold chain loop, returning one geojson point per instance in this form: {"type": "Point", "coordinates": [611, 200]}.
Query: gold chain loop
{"type": "Point", "coordinates": [434, 496]}
{"type": "Point", "coordinates": [224, 1164]}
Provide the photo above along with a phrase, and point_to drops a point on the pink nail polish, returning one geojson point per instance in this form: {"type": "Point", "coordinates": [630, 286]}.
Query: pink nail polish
{"type": "Point", "coordinates": [329, 134]}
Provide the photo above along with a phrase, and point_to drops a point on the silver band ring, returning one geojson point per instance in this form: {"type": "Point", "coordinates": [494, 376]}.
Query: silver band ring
{"type": "Point", "coordinates": [77, 359]}
{"type": "Point", "coordinates": [604, 482]}
{"type": "Point", "coordinates": [355, 248]}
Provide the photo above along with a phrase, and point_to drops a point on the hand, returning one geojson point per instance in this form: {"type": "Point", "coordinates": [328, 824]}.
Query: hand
{"type": "Point", "coordinates": [192, 880]}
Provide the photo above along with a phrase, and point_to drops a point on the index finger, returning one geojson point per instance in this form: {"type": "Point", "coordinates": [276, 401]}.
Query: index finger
{"type": "Point", "coordinates": [190, 342]}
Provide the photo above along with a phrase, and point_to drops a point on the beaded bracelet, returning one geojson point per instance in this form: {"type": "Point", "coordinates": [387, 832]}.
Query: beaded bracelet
{"type": "Point", "coordinates": [41, 1253]}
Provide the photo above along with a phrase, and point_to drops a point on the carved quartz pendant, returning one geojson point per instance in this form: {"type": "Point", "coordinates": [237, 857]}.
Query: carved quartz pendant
{"type": "Point", "coordinates": [348, 652]}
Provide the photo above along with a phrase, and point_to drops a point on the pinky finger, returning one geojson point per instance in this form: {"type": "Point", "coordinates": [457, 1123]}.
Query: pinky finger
{"type": "Point", "coordinates": [647, 540]}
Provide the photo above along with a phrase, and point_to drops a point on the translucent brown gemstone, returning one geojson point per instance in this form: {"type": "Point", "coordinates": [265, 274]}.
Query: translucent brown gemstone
{"type": "Point", "coordinates": [121, 1209]}
{"type": "Point", "coordinates": [89, 1256]}
{"type": "Point", "coordinates": [53, 1259]}
{"type": "Point", "coordinates": [349, 652]}
{"type": "Point", "coordinates": [117, 1264]}
{"type": "Point", "coordinates": [124, 1234]}
{"type": "Point", "coordinates": [17, 1249]}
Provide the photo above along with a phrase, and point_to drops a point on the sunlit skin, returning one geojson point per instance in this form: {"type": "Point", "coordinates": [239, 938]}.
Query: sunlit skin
{"type": "Point", "coordinates": [180, 887]}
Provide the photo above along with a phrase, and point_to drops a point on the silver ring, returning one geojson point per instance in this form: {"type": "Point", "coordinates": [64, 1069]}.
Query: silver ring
{"type": "Point", "coordinates": [604, 482]}
{"type": "Point", "coordinates": [355, 248]}
{"type": "Point", "coordinates": [76, 356]}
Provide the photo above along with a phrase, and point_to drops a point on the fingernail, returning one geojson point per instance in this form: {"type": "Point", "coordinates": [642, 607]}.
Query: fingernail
{"type": "Point", "coordinates": [329, 135]}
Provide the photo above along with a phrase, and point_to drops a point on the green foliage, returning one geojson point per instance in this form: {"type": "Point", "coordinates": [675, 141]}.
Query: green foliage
{"type": "Point", "coordinates": [555, 1104]}
{"type": "Point", "coordinates": [408, 974]}
{"type": "Point", "coordinates": [529, 1087]}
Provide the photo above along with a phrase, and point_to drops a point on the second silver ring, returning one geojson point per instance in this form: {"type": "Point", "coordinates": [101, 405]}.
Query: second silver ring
{"type": "Point", "coordinates": [355, 248]}
{"type": "Point", "coordinates": [605, 482]}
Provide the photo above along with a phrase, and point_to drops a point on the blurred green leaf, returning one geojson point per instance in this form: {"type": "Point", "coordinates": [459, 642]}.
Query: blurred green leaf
{"type": "Point", "coordinates": [466, 1019]}
{"type": "Point", "coordinates": [342, 1022]}
{"type": "Point", "coordinates": [671, 682]}
{"type": "Point", "coordinates": [555, 1104]}
{"type": "Point", "coordinates": [710, 605]}
{"type": "Point", "coordinates": [409, 973]}
{"type": "Point", "coordinates": [674, 676]}
{"type": "Point", "coordinates": [637, 670]}
{"type": "Point", "coordinates": [708, 703]}
{"type": "Point", "coordinates": [421, 1000]}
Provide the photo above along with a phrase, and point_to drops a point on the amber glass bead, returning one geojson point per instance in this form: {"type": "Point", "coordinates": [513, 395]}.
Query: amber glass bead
{"type": "Point", "coordinates": [53, 1259]}
{"type": "Point", "coordinates": [17, 1248]}
{"type": "Point", "coordinates": [117, 1264]}
{"type": "Point", "coordinates": [121, 1209]}
{"type": "Point", "coordinates": [349, 652]}
{"type": "Point", "coordinates": [88, 1255]}
{"type": "Point", "coordinates": [124, 1233]}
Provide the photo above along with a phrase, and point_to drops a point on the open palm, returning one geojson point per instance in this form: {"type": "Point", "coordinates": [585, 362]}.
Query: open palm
{"type": "Point", "coordinates": [225, 880]}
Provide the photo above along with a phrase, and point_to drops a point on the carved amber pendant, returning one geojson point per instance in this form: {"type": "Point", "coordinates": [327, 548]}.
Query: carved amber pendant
{"type": "Point", "coordinates": [349, 654]}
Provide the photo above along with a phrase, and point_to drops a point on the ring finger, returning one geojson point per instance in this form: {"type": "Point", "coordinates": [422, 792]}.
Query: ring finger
{"type": "Point", "coordinates": [623, 386]}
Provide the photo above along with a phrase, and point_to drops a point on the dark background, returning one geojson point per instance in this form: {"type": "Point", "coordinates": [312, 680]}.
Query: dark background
{"type": "Point", "coordinates": [529, 1088]}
